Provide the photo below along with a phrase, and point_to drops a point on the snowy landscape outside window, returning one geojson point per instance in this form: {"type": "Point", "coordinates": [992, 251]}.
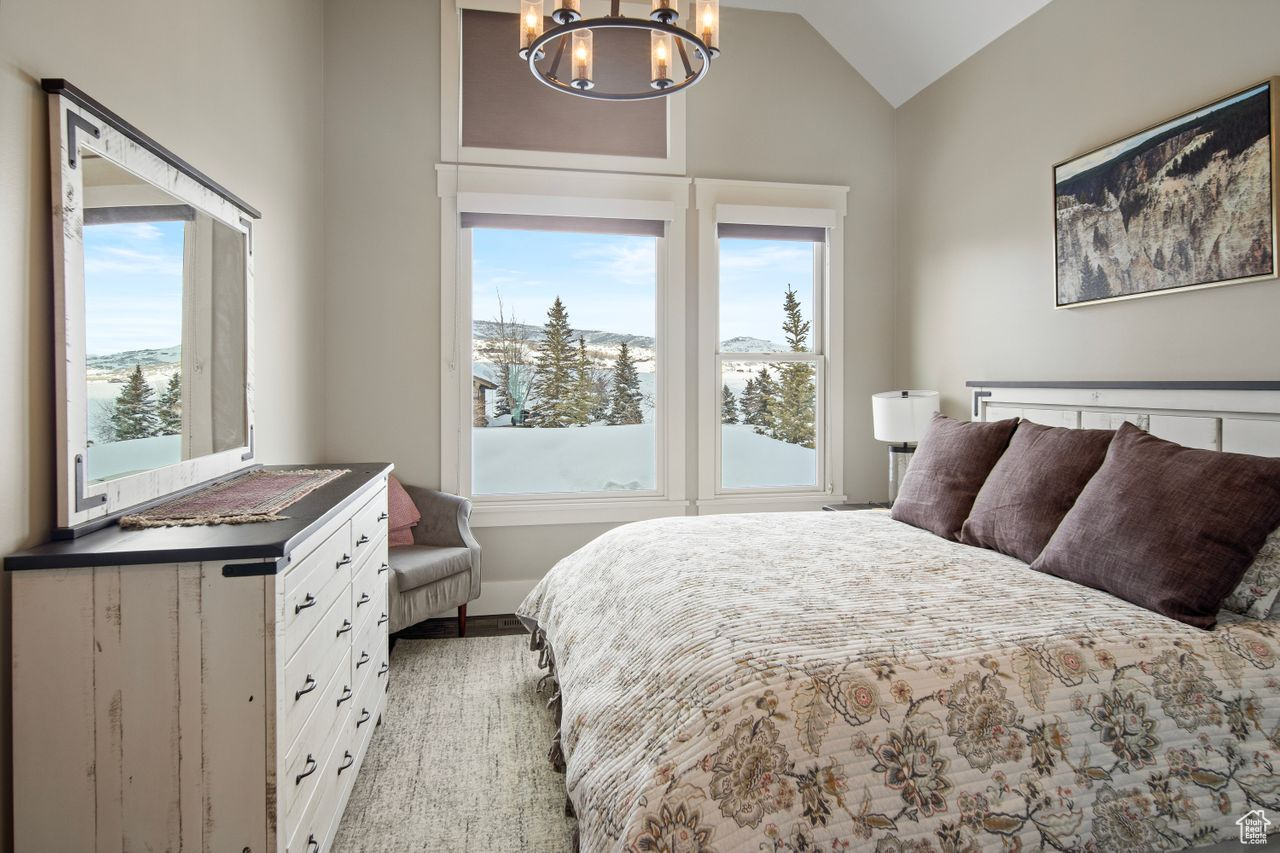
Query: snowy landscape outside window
{"type": "Point", "coordinates": [769, 360]}
{"type": "Point", "coordinates": [563, 355]}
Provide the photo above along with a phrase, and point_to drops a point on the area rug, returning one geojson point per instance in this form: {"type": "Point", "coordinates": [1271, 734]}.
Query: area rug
{"type": "Point", "coordinates": [459, 763]}
{"type": "Point", "coordinates": [253, 497]}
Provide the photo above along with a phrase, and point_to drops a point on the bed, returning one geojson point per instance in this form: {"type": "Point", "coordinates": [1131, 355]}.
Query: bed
{"type": "Point", "coordinates": [842, 681]}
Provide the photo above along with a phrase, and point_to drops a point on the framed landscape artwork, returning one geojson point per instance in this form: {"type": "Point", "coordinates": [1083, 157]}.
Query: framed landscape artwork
{"type": "Point", "coordinates": [1187, 204]}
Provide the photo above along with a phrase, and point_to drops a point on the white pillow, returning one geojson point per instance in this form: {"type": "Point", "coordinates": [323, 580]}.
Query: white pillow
{"type": "Point", "coordinates": [1260, 586]}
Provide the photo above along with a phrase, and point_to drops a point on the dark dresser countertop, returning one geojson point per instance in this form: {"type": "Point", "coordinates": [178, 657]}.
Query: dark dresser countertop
{"type": "Point", "coordinates": [112, 546]}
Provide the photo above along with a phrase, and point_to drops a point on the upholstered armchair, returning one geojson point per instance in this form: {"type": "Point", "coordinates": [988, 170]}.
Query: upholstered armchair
{"type": "Point", "coordinates": [441, 569]}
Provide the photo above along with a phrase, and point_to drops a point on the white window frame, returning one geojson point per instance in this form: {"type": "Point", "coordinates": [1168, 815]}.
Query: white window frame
{"type": "Point", "coordinates": [453, 151]}
{"type": "Point", "coordinates": [494, 189]}
{"type": "Point", "coordinates": [760, 203]}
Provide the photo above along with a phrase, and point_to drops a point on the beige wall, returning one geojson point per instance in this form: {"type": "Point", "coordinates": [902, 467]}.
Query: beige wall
{"type": "Point", "coordinates": [233, 87]}
{"type": "Point", "coordinates": [975, 242]}
{"type": "Point", "coordinates": [823, 124]}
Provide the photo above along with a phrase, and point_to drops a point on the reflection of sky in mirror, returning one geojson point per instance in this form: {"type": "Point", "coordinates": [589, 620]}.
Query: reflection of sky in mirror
{"type": "Point", "coordinates": [1102, 155]}
{"type": "Point", "coordinates": [132, 286]}
{"type": "Point", "coordinates": [606, 281]}
{"type": "Point", "coordinates": [754, 275]}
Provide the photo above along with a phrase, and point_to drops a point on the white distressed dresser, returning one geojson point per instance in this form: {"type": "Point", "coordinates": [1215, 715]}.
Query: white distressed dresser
{"type": "Point", "coordinates": [201, 688]}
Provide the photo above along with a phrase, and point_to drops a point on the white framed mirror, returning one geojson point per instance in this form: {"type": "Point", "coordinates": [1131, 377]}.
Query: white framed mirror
{"type": "Point", "coordinates": [153, 304]}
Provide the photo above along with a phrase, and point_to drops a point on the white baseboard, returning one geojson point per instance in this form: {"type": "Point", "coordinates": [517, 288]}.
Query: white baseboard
{"type": "Point", "coordinates": [497, 597]}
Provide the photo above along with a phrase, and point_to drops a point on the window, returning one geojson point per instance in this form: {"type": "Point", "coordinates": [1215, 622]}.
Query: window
{"type": "Point", "coordinates": [562, 341]}
{"type": "Point", "coordinates": [770, 305]}
{"type": "Point", "coordinates": [564, 355]}
{"type": "Point", "coordinates": [768, 362]}
{"type": "Point", "coordinates": [494, 111]}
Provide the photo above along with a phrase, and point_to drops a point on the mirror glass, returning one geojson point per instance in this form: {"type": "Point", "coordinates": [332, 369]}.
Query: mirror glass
{"type": "Point", "coordinates": [165, 343]}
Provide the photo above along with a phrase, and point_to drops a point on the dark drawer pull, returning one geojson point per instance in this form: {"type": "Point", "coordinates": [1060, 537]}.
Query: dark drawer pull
{"type": "Point", "coordinates": [364, 599]}
{"type": "Point", "coordinates": [312, 844]}
{"type": "Point", "coordinates": [308, 601]}
{"type": "Point", "coordinates": [364, 659]}
{"type": "Point", "coordinates": [385, 618]}
{"type": "Point", "coordinates": [385, 667]}
{"type": "Point", "coordinates": [382, 516]}
{"type": "Point", "coordinates": [346, 626]}
{"type": "Point", "coordinates": [363, 540]}
{"type": "Point", "coordinates": [345, 561]}
{"type": "Point", "coordinates": [347, 760]}
{"type": "Point", "coordinates": [310, 766]}
{"type": "Point", "coordinates": [364, 719]}
{"type": "Point", "coordinates": [383, 568]}
{"type": "Point", "coordinates": [307, 687]}
{"type": "Point", "coordinates": [347, 693]}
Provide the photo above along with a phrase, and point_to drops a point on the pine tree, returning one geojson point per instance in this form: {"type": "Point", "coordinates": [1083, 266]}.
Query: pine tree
{"type": "Point", "coordinates": [557, 371]}
{"type": "Point", "coordinates": [625, 406]}
{"type": "Point", "coordinates": [795, 410]}
{"type": "Point", "coordinates": [135, 412]}
{"type": "Point", "coordinates": [728, 407]}
{"type": "Point", "coordinates": [750, 402]}
{"type": "Point", "coordinates": [170, 406]}
{"type": "Point", "coordinates": [582, 402]}
{"type": "Point", "coordinates": [763, 413]}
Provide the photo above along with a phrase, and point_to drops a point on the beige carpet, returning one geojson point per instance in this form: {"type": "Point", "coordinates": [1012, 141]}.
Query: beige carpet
{"type": "Point", "coordinates": [459, 763]}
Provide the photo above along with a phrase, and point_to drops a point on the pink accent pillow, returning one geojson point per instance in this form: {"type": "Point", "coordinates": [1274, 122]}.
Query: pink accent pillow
{"type": "Point", "coordinates": [402, 514]}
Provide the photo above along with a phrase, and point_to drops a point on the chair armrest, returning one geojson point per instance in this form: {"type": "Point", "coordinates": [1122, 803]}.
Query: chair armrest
{"type": "Point", "coordinates": [444, 519]}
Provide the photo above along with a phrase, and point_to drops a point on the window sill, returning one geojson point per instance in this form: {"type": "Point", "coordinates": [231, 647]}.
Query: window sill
{"type": "Point", "coordinates": [544, 512]}
{"type": "Point", "coordinates": [767, 503]}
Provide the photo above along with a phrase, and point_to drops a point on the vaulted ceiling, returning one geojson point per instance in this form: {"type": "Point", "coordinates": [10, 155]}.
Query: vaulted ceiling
{"type": "Point", "coordinates": [901, 46]}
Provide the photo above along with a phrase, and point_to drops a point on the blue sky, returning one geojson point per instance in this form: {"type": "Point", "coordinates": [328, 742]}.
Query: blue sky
{"type": "Point", "coordinates": [133, 286]}
{"type": "Point", "coordinates": [606, 281]}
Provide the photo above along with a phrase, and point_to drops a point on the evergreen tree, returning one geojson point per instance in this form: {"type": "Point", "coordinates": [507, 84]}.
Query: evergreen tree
{"type": "Point", "coordinates": [170, 406]}
{"type": "Point", "coordinates": [625, 405]}
{"type": "Point", "coordinates": [557, 371]}
{"type": "Point", "coordinates": [1093, 281]}
{"type": "Point", "coordinates": [750, 402]}
{"type": "Point", "coordinates": [795, 410]}
{"type": "Point", "coordinates": [763, 414]}
{"type": "Point", "coordinates": [728, 407]}
{"type": "Point", "coordinates": [135, 412]}
{"type": "Point", "coordinates": [583, 401]}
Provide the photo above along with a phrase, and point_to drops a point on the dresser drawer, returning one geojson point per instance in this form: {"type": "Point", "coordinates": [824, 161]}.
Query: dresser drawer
{"type": "Point", "coordinates": [368, 523]}
{"type": "Point", "coordinates": [311, 588]}
{"type": "Point", "coordinates": [369, 648]}
{"type": "Point", "coordinates": [320, 655]}
{"type": "Point", "coordinates": [326, 724]}
{"type": "Point", "coordinates": [366, 583]}
{"type": "Point", "coordinates": [368, 705]}
{"type": "Point", "coordinates": [311, 833]}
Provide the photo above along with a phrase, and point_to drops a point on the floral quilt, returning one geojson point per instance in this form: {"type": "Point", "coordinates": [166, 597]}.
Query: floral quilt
{"type": "Point", "coordinates": [841, 681]}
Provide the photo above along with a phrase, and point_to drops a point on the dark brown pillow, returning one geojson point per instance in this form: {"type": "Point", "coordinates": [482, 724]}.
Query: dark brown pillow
{"type": "Point", "coordinates": [1167, 527]}
{"type": "Point", "coordinates": [1032, 487]}
{"type": "Point", "coordinates": [950, 465]}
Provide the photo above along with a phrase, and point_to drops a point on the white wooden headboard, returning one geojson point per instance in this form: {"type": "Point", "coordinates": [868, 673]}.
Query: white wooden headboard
{"type": "Point", "coordinates": [1239, 417]}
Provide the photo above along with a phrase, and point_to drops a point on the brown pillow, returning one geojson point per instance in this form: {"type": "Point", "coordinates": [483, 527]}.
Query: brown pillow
{"type": "Point", "coordinates": [1166, 527]}
{"type": "Point", "coordinates": [950, 466]}
{"type": "Point", "coordinates": [1032, 487]}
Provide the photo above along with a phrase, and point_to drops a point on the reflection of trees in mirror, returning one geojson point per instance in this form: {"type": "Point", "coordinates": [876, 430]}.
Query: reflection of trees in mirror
{"type": "Point", "coordinates": [137, 411]}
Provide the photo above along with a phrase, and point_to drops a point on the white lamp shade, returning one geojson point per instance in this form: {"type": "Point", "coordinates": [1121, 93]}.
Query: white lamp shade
{"type": "Point", "coordinates": [901, 417]}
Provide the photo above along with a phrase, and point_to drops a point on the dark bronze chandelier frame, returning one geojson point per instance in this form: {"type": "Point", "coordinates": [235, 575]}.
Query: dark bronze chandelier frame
{"type": "Point", "coordinates": [567, 24]}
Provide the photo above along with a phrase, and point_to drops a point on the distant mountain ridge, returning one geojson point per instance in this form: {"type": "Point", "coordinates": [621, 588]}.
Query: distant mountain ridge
{"type": "Point", "coordinates": [488, 330]}
{"type": "Point", "coordinates": [116, 361]}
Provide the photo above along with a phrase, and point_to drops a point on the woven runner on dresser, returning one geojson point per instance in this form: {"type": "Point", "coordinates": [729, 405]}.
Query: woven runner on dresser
{"type": "Point", "coordinates": [459, 764]}
{"type": "Point", "coordinates": [253, 497]}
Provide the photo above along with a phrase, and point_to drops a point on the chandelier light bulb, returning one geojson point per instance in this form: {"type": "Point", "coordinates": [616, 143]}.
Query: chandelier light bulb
{"type": "Point", "coordinates": [660, 62]}
{"type": "Point", "coordinates": [708, 18]}
{"type": "Point", "coordinates": [582, 60]}
{"type": "Point", "coordinates": [530, 25]}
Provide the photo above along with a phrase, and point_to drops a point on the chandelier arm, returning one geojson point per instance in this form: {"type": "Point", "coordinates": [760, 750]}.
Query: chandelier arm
{"type": "Point", "coordinates": [684, 57]}
{"type": "Point", "coordinates": [555, 62]}
{"type": "Point", "coordinates": [616, 9]}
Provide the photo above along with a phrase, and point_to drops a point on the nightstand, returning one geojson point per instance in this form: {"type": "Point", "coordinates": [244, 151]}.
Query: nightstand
{"type": "Point", "coordinates": [851, 507]}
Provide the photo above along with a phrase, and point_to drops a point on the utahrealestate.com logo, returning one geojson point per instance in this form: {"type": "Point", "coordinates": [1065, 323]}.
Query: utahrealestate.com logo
{"type": "Point", "coordinates": [1253, 827]}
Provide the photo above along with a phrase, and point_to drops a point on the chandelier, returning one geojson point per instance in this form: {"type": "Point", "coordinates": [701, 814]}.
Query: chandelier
{"type": "Point", "coordinates": [562, 56]}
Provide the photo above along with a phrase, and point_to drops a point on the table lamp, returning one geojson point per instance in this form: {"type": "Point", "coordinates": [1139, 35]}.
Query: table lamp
{"type": "Point", "coordinates": [901, 418]}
